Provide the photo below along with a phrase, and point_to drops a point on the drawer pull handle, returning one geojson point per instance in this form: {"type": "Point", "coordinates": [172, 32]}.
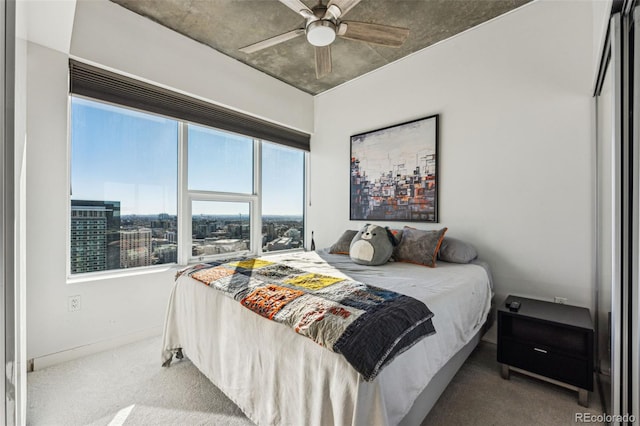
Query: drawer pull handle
{"type": "Point", "coordinates": [540, 350]}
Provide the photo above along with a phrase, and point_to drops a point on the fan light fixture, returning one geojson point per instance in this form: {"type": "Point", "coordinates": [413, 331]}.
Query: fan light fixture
{"type": "Point", "coordinates": [321, 33]}
{"type": "Point", "coordinates": [322, 24]}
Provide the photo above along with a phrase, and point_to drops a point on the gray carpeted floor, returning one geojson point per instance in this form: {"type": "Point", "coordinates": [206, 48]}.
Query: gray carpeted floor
{"type": "Point", "coordinates": [127, 386]}
{"type": "Point", "coordinates": [478, 395]}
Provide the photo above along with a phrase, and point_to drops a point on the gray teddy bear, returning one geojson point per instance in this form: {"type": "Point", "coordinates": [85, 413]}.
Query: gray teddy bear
{"type": "Point", "coordinates": [372, 245]}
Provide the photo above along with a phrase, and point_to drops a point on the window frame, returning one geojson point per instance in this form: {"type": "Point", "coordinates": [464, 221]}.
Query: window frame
{"type": "Point", "coordinates": [185, 233]}
{"type": "Point", "coordinates": [220, 198]}
{"type": "Point", "coordinates": [184, 199]}
{"type": "Point", "coordinates": [109, 273]}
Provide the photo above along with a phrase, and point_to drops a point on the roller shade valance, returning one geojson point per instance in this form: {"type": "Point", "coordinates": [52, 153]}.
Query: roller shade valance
{"type": "Point", "coordinates": [93, 82]}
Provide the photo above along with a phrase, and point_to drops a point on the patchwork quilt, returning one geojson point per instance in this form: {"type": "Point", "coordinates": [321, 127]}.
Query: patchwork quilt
{"type": "Point", "coordinates": [368, 325]}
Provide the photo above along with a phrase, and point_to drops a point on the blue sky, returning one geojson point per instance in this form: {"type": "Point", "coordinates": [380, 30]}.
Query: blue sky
{"type": "Point", "coordinates": [123, 155]}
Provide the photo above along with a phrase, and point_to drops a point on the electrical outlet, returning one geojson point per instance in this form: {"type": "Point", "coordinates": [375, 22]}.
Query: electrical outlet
{"type": "Point", "coordinates": [560, 300]}
{"type": "Point", "coordinates": [74, 303]}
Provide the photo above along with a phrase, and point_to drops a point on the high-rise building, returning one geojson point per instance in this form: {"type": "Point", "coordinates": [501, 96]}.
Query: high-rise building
{"type": "Point", "coordinates": [282, 243]}
{"type": "Point", "coordinates": [167, 253]}
{"type": "Point", "coordinates": [135, 248]}
{"type": "Point", "coordinates": [292, 233]}
{"type": "Point", "coordinates": [171, 236]}
{"type": "Point", "coordinates": [94, 235]}
{"type": "Point", "coordinates": [220, 246]}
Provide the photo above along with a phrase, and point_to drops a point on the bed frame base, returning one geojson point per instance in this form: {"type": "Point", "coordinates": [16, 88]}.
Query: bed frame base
{"type": "Point", "coordinates": [429, 396]}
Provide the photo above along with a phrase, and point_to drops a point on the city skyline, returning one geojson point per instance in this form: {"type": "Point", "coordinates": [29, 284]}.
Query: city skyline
{"type": "Point", "coordinates": [124, 190]}
{"type": "Point", "coordinates": [102, 239]}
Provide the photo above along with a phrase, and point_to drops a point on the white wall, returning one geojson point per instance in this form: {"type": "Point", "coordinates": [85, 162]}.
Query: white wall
{"type": "Point", "coordinates": [515, 156]}
{"type": "Point", "coordinates": [112, 36]}
{"type": "Point", "coordinates": [114, 310]}
{"type": "Point", "coordinates": [515, 151]}
{"type": "Point", "coordinates": [601, 16]}
{"type": "Point", "coordinates": [48, 22]}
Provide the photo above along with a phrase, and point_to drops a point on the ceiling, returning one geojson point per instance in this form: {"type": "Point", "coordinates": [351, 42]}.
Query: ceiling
{"type": "Point", "coordinates": [228, 25]}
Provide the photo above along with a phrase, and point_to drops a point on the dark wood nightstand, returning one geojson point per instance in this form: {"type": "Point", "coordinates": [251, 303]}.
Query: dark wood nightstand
{"type": "Point", "coordinates": [549, 341]}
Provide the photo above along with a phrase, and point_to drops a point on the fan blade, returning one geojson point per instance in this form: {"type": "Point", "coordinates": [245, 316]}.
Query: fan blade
{"type": "Point", "coordinates": [383, 35]}
{"type": "Point", "coordinates": [298, 7]}
{"type": "Point", "coordinates": [333, 12]}
{"type": "Point", "coordinates": [272, 41]}
{"type": "Point", "coordinates": [344, 6]}
{"type": "Point", "coordinates": [323, 61]}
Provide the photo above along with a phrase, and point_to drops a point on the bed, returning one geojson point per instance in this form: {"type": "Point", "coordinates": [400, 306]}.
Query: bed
{"type": "Point", "coordinates": [278, 377]}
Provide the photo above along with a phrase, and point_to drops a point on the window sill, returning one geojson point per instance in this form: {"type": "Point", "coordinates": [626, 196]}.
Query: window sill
{"type": "Point", "coordinates": [159, 269]}
{"type": "Point", "coordinates": [236, 255]}
{"type": "Point", "coordinates": [122, 273]}
{"type": "Point", "coordinates": [218, 257]}
{"type": "Point", "coordinates": [272, 253]}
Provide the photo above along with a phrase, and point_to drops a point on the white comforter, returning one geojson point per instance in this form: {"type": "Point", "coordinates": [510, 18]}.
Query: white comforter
{"type": "Point", "coordinates": [278, 377]}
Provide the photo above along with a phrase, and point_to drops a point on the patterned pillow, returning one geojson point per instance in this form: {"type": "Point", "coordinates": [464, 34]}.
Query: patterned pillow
{"type": "Point", "coordinates": [344, 243]}
{"type": "Point", "coordinates": [419, 246]}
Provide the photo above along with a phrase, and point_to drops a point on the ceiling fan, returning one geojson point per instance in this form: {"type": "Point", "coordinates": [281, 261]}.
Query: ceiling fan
{"type": "Point", "coordinates": [324, 23]}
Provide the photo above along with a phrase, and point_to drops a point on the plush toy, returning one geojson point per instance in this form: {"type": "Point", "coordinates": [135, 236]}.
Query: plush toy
{"type": "Point", "coordinates": [372, 245]}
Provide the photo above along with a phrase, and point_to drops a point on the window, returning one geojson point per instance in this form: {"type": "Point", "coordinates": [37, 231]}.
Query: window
{"type": "Point", "coordinates": [240, 195]}
{"type": "Point", "coordinates": [221, 191]}
{"type": "Point", "coordinates": [123, 188]}
{"type": "Point", "coordinates": [220, 228]}
{"type": "Point", "coordinates": [282, 197]}
{"type": "Point", "coordinates": [219, 161]}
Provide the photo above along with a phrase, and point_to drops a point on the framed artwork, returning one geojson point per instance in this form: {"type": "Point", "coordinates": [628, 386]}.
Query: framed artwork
{"type": "Point", "coordinates": [394, 173]}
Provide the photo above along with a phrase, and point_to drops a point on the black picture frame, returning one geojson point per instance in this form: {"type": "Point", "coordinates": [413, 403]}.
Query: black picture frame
{"type": "Point", "coordinates": [394, 172]}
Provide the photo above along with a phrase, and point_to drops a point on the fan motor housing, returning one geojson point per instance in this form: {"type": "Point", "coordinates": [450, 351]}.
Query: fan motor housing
{"type": "Point", "coordinates": [321, 32]}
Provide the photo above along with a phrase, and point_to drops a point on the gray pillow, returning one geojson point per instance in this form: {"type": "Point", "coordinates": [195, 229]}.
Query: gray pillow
{"type": "Point", "coordinates": [456, 251]}
{"type": "Point", "coordinates": [419, 247]}
{"type": "Point", "coordinates": [344, 242]}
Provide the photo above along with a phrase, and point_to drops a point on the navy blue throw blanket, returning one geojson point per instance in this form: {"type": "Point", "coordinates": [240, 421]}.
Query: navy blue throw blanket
{"type": "Point", "coordinates": [382, 333]}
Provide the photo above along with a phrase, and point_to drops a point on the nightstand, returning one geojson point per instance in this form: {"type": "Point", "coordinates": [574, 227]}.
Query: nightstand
{"type": "Point", "coordinates": [549, 341]}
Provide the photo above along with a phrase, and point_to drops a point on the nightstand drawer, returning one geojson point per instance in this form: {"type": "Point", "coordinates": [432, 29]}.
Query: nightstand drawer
{"type": "Point", "coordinates": [546, 362]}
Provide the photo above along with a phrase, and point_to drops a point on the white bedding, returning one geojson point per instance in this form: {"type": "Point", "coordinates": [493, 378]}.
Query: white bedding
{"type": "Point", "coordinates": [278, 377]}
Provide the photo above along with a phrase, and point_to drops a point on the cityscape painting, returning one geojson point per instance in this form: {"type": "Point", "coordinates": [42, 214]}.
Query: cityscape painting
{"type": "Point", "coordinates": [394, 173]}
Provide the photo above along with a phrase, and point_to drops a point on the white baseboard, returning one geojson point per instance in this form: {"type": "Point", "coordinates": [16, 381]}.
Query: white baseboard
{"type": "Point", "coordinates": [93, 348]}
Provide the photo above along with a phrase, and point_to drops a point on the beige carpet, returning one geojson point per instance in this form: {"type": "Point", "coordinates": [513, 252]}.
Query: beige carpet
{"type": "Point", "coordinates": [127, 386]}
{"type": "Point", "coordinates": [478, 395]}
